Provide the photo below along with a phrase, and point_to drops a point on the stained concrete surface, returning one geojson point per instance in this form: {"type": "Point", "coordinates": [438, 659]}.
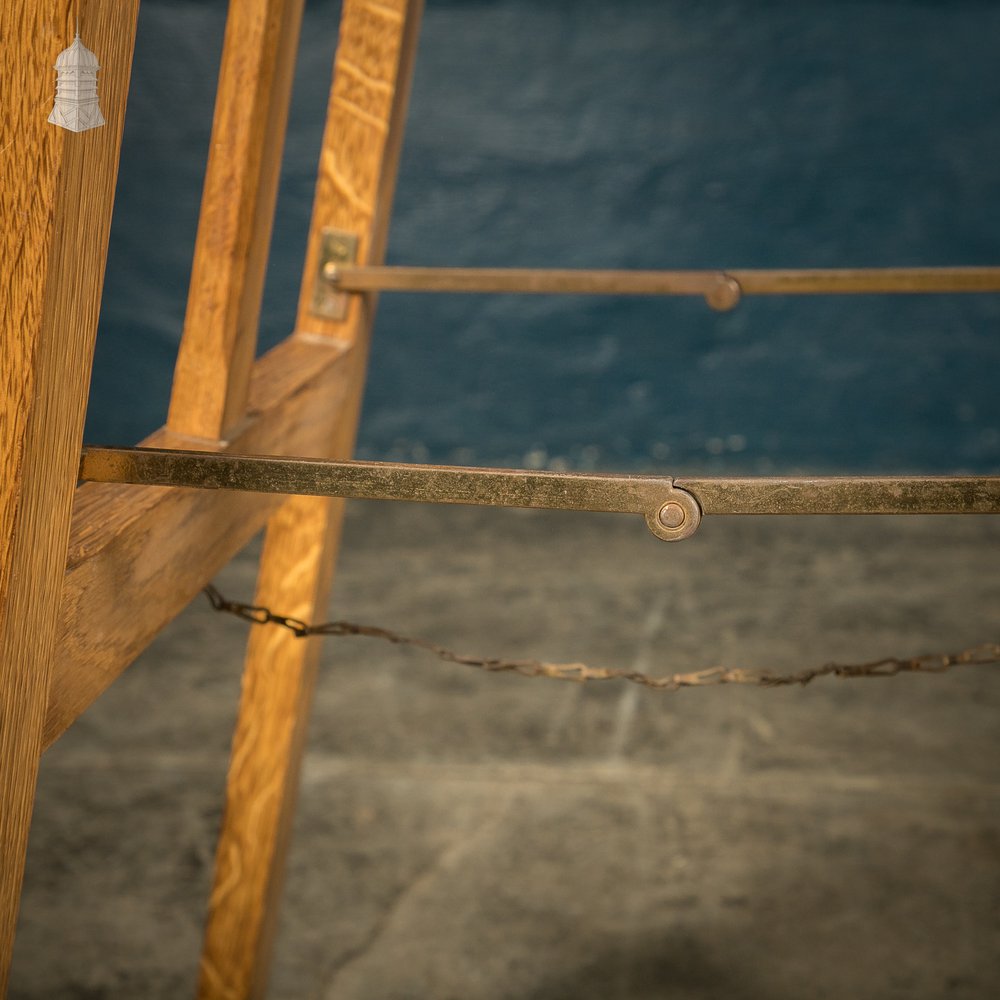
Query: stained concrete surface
{"type": "Point", "coordinates": [490, 836]}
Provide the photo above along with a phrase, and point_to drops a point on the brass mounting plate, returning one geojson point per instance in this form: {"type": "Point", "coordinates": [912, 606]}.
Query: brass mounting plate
{"type": "Point", "coordinates": [337, 247]}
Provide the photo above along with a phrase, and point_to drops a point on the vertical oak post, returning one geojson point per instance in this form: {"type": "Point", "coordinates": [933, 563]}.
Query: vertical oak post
{"type": "Point", "coordinates": [56, 193]}
{"type": "Point", "coordinates": [357, 173]}
{"type": "Point", "coordinates": [212, 377]}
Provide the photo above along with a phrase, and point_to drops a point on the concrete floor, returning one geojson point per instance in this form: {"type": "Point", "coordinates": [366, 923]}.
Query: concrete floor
{"type": "Point", "coordinates": [463, 835]}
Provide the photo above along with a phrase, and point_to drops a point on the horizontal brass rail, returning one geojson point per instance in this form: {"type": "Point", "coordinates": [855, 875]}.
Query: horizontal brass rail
{"type": "Point", "coordinates": [721, 289]}
{"type": "Point", "coordinates": [672, 506]}
{"type": "Point", "coordinates": [846, 494]}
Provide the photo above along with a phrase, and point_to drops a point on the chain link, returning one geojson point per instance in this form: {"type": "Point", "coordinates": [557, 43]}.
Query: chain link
{"type": "Point", "coordinates": [937, 663]}
{"type": "Point", "coordinates": [255, 614]}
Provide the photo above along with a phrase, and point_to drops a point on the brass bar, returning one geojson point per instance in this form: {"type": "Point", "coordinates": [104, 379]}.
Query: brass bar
{"type": "Point", "coordinates": [672, 506]}
{"type": "Point", "coordinates": [726, 284]}
{"type": "Point", "coordinates": [523, 280]}
{"type": "Point", "coordinates": [650, 496]}
{"type": "Point", "coordinates": [869, 281]}
{"type": "Point", "coordinates": [369, 480]}
{"type": "Point", "coordinates": [846, 495]}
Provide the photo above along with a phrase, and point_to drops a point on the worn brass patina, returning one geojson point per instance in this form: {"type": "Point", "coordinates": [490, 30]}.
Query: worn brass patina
{"type": "Point", "coordinates": [672, 506]}
{"type": "Point", "coordinates": [722, 290]}
{"type": "Point", "coordinates": [338, 247]}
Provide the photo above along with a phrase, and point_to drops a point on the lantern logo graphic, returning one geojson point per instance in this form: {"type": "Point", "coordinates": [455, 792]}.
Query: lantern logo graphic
{"type": "Point", "coordinates": [76, 89]}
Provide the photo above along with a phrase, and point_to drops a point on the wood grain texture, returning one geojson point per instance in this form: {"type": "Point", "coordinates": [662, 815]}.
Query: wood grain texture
{"type": "Point", "coordinates": [56, 192]}
{"type": "Point", "coordinates": [361, 145]}
{"type": "Point", "coordinates": [357, 173]}
{"type": "Point", "coordinates": [138, 555]}
{"type": "Point", "coordinates": [217, 350]}
{"type": "Point", "coordinates": [261, 790]}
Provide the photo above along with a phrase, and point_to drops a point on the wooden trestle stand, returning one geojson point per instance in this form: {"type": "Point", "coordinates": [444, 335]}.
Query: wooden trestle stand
{"type": "Point", "coordinates": [90, 573]}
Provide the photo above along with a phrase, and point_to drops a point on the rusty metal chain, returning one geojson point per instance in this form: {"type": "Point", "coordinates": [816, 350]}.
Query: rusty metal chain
{"type": "Point", "coordinates": [986, 653]}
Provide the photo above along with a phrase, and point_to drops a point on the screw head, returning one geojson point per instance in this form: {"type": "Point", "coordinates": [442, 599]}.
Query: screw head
{"type": "Point", "coordinates": [671, 515]}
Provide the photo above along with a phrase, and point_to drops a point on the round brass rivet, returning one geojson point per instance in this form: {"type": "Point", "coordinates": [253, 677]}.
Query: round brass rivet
{"type": "Point", "coordinates": [330, 271]}
{"type": "Point", "coordinates": [672, 515]}
{"type": "Point", "coordinates": [725, 294]}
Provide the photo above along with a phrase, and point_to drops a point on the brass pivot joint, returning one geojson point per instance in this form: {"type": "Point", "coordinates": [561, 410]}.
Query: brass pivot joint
{"type": "Point", "coordinates": [677, 518]}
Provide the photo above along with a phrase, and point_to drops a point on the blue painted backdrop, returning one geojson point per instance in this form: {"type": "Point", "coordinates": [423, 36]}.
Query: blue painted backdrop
{"type": "Point", "coordinates": [645, 133]}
